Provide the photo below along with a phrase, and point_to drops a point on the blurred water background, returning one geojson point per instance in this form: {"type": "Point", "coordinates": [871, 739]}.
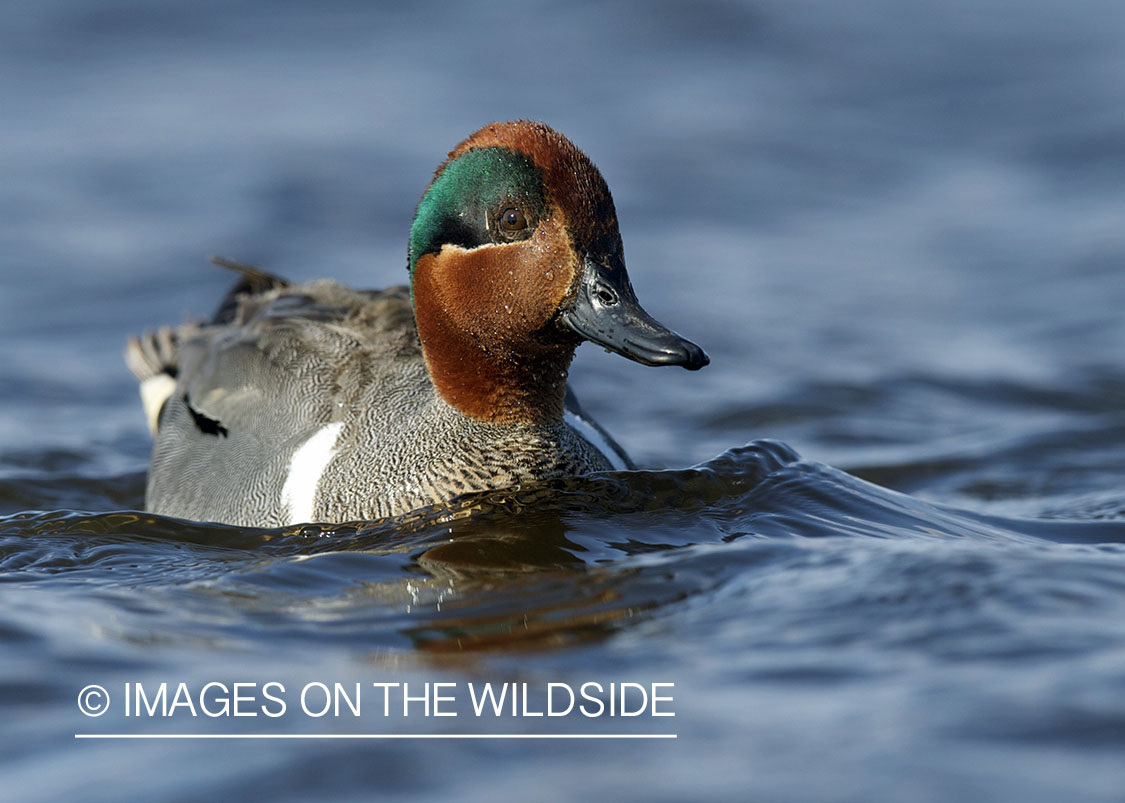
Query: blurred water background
{"type": "Point", "coordinates": [895, 226]}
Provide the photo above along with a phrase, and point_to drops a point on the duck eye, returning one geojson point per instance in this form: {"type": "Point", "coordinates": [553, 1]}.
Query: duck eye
{"type": "Point", "coordinates": [513, 220]}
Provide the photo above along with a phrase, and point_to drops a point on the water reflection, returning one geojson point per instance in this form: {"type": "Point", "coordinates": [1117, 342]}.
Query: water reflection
{"type": "Point", "coordinates": [534, 567]}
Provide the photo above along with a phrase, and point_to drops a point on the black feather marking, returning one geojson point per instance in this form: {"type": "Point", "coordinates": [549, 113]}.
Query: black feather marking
{"type": "Point", "coordinates": [205, 424]}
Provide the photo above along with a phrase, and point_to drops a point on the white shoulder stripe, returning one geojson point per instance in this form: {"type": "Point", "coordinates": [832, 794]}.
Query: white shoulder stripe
{"type": "Point", "coordinates": [596, 439]}
{"type": "Point", "coordinates": [306, 467]}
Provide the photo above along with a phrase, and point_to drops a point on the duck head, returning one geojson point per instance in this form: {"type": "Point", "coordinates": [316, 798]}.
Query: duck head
{"type": "Point", "coordinates": [515, 258]}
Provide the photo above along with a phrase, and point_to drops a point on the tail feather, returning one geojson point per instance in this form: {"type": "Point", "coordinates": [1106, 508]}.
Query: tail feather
{"type": "Point", "coordinates": [253, 282]}
{"type": "Point", "coordinates": [154, 360]}
{"type": "Point", "coordinates": [153, 353]}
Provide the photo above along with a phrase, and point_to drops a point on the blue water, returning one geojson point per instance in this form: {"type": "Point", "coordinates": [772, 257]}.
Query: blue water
{"type": "Point", "coordinates": [895, 227]}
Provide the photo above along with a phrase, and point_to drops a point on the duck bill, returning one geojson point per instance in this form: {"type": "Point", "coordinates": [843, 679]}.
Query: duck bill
{"type": "Point", "coordinates": [606, 312]}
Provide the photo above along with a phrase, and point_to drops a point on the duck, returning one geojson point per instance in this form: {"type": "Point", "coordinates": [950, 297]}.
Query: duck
{"type": "Point", "coordinates": [315, 402]}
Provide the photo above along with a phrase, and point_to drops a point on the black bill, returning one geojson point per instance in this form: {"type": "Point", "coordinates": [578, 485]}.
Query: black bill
{"type": "Point", "coordinates": [607, 312]}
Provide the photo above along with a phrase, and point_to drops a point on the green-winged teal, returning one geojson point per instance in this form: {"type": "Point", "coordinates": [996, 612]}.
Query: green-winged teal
{"type": "Point", "coordinates": [315, 402]}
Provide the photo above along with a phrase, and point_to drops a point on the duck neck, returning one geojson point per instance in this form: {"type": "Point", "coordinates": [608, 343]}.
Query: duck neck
{"type": "Point", "coordinates": [487, 379]}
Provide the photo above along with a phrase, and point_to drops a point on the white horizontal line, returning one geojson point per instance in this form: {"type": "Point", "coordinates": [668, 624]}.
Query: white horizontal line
{"type": "Point", "coordinates": [375, 736]}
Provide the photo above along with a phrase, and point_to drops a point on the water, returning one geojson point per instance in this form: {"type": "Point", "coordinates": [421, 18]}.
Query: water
{"type": "Point", "coordinates": [896, 228]}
